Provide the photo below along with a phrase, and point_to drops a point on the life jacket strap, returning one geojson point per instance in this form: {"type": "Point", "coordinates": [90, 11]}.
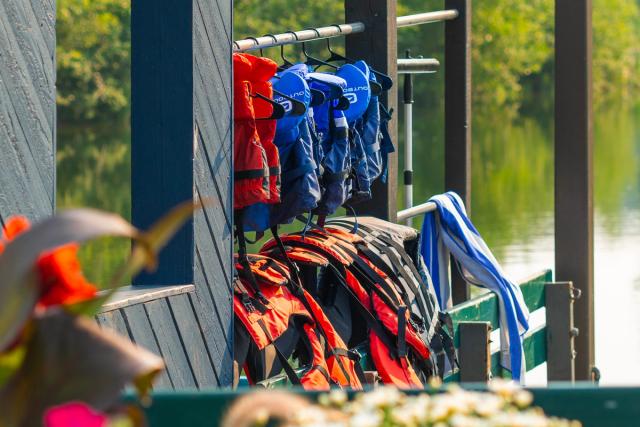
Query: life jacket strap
{"type": "Point", "coordinates": [250, 174]}
{"type": "Point", "coordinates": [289, 371]}
{"type": "Point", "coordinates": [244, 260]}
{"type": "Point", "coordinates": [274, 170]}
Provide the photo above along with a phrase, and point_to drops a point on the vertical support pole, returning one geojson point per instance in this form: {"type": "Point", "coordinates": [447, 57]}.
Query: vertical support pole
{"type": "Point", "coordinates": [408, 142]}
{"type": "Point", "coordinates": [457, 117]}
{"type": "Point", "coordinates": [475, 351]}
{"type": "Point", "coordinates": [378, 47]}
{"type": "Point", "coordinates": [560, 331]}
{"type": "Point", "coordinates": [181, 151]}
{"type": "Point", "coordinates": [574, 167]}
{"type": "Point", "coordinates": [162, 128]}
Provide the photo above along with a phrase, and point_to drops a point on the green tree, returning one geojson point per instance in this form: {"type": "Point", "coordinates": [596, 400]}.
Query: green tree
{"type": "Point", "coordinates": [93, 54]}
{"type": "Point", "coordinates": [512, 50]}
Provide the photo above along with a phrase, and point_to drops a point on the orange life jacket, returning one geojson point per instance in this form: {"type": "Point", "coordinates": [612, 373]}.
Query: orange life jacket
{"type": "Point", "coordinates": [250, 164]}
{"type": "Point", "coordinates": [399, 353]}
{"type": "Point", "coordinates": [272, 311]}
{"type": "Point", "coordinates": [263, 69]}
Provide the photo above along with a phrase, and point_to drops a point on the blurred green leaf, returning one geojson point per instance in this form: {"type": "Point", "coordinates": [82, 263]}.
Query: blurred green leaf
{"type": "Point", "coordinates": [69, 358]}
{"type": "Point", "coordinates": [10, 362]}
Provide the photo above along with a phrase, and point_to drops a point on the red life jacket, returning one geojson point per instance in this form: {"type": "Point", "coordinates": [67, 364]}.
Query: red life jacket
{"type": "Point", "coordinates": [399, 354]}
{"type": "Point", "coordinates": [250, 164]}
{"type": "Point", "coordinates": [270, 313]}
{"type": "Point", "coordinates": [263, 69]}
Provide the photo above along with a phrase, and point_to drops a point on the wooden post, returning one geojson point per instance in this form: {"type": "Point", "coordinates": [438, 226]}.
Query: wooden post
{"type": "Point", "coordinates": [181, 151]}
{"type": "Point", "coordinates": [457, 117]}
{"type": "Point", "coordinates": [574, 167]}
{"type": "Point", "coordinates": [559, 299]}
{"type": "Point", "coordinates": [377, 45]}
{"type": "Point", "coordinates": [27, 109]}
{"type": "Point", "coordinates": [475, 351]}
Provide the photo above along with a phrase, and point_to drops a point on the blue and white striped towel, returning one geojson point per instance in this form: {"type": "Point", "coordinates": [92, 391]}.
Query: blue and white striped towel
{"type": "Point", "coordinates": [447, 231]}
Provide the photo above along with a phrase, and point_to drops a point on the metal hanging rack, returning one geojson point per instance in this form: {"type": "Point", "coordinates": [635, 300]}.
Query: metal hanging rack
{"type": "Point", "coordinates": [405, 66]}
{"type": "Point", "coordinates": [292, 37]}
{"type": "Point", "coordinates": [426, 18]}
{"type": "Point", "coordinates": [337, 30]}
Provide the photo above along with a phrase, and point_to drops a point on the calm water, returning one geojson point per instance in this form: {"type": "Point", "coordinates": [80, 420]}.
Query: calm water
{"type": "Point", "coordinates": [512, 207]}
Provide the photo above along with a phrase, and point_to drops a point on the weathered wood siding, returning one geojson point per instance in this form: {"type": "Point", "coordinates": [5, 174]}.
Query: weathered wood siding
{"type": "Point", "coordinates": [181, 150]}
{"type": "Point", "coordinates": [27, 108]}
{"type": "Point", "coordinates": [167, 323]}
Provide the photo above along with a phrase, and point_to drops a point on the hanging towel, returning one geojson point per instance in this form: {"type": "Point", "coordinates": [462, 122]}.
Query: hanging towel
{"type": "Point", "coordinates": [448, 230]}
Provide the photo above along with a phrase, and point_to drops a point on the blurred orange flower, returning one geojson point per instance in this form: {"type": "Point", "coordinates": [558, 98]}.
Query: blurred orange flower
{"type": "Point", "coordinates": [61, 278]}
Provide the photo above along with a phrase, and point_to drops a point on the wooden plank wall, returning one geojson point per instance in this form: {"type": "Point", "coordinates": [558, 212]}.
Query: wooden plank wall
{"type": "Point", "coordinates": [27, 108]}
{"type": "Point", "coordinates": [181, 150]}
{"type": "Point", "coordinates": [170, 327]}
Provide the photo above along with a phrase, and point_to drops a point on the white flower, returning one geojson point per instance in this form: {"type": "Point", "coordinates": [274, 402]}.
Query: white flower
{"type": "Point", "coordinates": [380, 397]}
{"type": "Point", "coordinates": [488, 405]}
{"type": "Point", "coordinates": [338, 397]}
{"type": "Point", "coordinates": [309, 416]}
{"type": "Point", "coordinates": [366, 419]}
{"type": "Point", "coordinates": [522, 399]}
{"type": "Point", "coordinates": [503, 388]}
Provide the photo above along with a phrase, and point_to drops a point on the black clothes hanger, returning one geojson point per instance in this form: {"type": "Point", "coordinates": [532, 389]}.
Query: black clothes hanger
{"type": "Point", "coordinates": [376, 88]}
{"type": "Point", "coordinates": [310, 60]}
{"type": "Point", "coordinates": [255, 40]}
{"type": "Point", "coordinates": [278, 111]}
{"type": "Point", "coordinates": [297, 108]}
{"type": "Point", "coordinates": [384, 81]}
{"type": "Point", "coordinates": [285, 62]}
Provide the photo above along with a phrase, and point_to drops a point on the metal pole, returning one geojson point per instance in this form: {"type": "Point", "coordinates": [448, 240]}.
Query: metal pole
{"type": "Point", "coordinates": [297, 36]}
{"type": "Point", "coordinates": [416, 210]}
{"type": "Point", "coordinates": [427, 18]}
{"type": "Point", "coordinates": [574, 168]}
{"type": "Point", "coordinates": [408, 142]}
{"type": "Point", "coordinates": [418, 65]}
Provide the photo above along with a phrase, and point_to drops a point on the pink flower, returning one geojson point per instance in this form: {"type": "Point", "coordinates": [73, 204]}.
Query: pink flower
{"type": "Point", "coordinates": [74, 414]}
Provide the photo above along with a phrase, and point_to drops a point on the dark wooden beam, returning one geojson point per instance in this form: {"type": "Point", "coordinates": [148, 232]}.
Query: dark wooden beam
{"type": "Point", "coordinates": [377, 45]}
{"type": "Point", "coordinates": [181, 151]}
{"type": "Point", "coordinates": [561, 333]}
{"type": "Point", "coordinates": [475, 351]}
{"type": "Point", "coordinates": [457, 117]}
{"type": "Point", "coordinates": [574, 167]}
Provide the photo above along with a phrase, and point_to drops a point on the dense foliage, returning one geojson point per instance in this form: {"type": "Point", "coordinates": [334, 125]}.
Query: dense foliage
{"type": "Point", "coordinates": [93, 54]}
{"type": "Point", "coordinates": [512, 56]}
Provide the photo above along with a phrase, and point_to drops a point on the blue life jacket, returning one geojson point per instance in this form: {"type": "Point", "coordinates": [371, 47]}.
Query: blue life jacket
{"type": "Point", "coordinates": [300, 185]}
{"type": "Point", "coordinates": [368, 126]}
{"type": "Point", "coordinates": [332, 132]}
{"type": "Point", "coordinates": [358, 92]}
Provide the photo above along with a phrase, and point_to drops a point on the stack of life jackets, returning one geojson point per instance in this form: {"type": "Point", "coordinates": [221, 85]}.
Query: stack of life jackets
{"type": "Point", "coordinates": [276, 317]}
{"type": "Point", "coordinates": [367, 304]}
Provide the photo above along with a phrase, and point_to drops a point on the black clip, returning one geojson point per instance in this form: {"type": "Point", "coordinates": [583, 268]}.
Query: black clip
{"type": "Point", "coordinates": [246, 301]}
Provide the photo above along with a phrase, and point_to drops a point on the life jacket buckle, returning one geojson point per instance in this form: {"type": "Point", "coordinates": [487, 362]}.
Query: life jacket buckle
{"type": "Point", "coordinates": [246, 301]}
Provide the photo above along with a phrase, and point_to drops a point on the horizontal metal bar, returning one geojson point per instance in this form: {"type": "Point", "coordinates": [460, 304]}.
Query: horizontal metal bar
{"type": "Point", "coordinates": [418, 65]}
{"type": "Point", "coordinates": [415, 211]}
{"type": "Point", "coordinates": [292, 37]}
{"type": "Point", "coordinates": [427, 18]}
